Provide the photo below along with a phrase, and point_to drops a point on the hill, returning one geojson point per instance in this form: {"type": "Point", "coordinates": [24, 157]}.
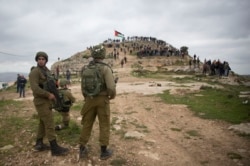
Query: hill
{"type": "Point", "coordinates": [116, 50]}
{"type": "Point", "coordinates": [146, 52]}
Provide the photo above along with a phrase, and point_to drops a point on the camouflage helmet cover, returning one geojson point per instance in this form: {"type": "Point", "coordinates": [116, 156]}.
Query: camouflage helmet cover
{"type": "Point", "coordinates": [63, 82]}
{"type": "Point", "coordinates": [98, 52]}
{"type": "Point", "coordinates": [41, 54]}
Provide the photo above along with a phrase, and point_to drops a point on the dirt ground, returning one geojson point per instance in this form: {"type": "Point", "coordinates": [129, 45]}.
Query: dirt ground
{"type": "Point", "coordinates": [162, 134]}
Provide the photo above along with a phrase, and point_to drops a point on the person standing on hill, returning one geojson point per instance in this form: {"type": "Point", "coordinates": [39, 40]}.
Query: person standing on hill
{"type": "Point", "coordinates": [57, 72]}
{"type": "Point", "coordinates": [190, 63]}
{"type": "Point", "coordinates": [68, 75]}
{"type": "Point", "coordinates": [68, 99]}
{"type": "Point", "coordinates": [122, 63]}
{"type": "Point", "coordinates": [97, 105]}
{"type": "Point", "coordinates": [198, 62]}
{"type": "Point", "coordinates": [125, 59]}
{"type": "Point", "coordinates": [43, 100]}
{"type": "Point", "coordinates": [22, 83]}
{"type": "Point", "coordinates": [226, 68]}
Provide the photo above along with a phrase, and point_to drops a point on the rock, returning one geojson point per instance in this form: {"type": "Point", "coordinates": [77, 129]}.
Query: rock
{"type": "Point", "coordinates": [117, 127]}
{"type": "Point", "coordinates": [134, 134]}
{"type": "Point", "coordinates": [7, 147]}
{"type": "Point", "coordinates": [243, 128]}
{"type": "Point", "coordinates": [154, 156]}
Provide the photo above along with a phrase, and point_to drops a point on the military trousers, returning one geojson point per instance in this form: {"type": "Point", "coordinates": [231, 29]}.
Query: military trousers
{"type": "Point", "coordinates": [95, 107]}
{"type": "Point", "coordinates": [46, 125]}
{"type": "Point", "coordinates": [65, 118]}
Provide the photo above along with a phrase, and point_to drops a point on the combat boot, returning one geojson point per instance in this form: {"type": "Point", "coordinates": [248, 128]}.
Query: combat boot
{"type": "Point", "coordinates": [105, 153]}
{"type": "Point", "coordinates": [40, 146]}
{"type": "Point", "coordinates": [57, 150]}
{"type": "Point", "coordinates": [58, 127]}
{"type": "Point", "coordinates": [83, 152]}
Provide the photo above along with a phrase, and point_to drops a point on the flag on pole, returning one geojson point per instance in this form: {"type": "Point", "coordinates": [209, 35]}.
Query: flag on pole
{"type": "Point", "coordinates": [119, 34]}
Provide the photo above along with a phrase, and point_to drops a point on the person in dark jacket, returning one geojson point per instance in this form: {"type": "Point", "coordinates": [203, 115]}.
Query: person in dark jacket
{"type": "Point", "coordinates": [22, 83]}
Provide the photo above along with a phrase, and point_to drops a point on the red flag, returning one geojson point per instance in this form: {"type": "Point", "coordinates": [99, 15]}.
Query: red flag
{"type": "Point", "coordinates": [118, 34]}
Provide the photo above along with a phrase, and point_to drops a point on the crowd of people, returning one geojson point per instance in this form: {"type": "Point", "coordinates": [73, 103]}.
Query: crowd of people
{"type": "Point", "coordinates": [153, 47]}
{"type": "Point", "coordinates": [216, 68]}
{"type": "Point", "coordinates": [146, 46]}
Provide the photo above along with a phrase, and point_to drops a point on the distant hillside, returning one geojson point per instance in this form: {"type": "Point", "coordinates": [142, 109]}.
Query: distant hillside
{"type": "Point", "coordinates": [146, 52]}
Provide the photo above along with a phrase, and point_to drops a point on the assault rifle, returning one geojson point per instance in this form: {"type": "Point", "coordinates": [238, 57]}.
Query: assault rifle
{"type": "Point", "coordinates": [50, 86]}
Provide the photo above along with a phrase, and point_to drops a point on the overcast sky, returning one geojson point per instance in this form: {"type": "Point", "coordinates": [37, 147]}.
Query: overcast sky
{"type": "Point", "coordinates": [210, 29]}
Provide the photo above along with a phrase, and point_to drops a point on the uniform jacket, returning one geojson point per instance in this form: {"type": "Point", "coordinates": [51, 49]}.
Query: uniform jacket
{"type": "Point", "coordinates": [110, 82]}
{"type": "Point", "coordinates": [37, 79]}
{"type": "Point", "coordinates": [67, 95]}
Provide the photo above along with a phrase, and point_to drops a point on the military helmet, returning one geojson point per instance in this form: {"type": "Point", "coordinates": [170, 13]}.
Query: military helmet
{"type": "Point", "coordinates": [63, 82]}
{"type": "Point", "coordinates": [41, 54]}
{"type": "Point", "coordinates": [98, 52]}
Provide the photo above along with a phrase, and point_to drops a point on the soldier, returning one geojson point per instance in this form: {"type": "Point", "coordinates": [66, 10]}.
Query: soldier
{"type": "Point", "coordinates": [98, 106]}
{"type": "Point", "coordinates": [43, 104]}
{"type": "Point", "coordinates": [68, 99]}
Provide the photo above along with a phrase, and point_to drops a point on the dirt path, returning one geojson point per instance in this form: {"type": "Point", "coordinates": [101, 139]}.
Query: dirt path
{"type": "Point", "coordinates": [146, 131]}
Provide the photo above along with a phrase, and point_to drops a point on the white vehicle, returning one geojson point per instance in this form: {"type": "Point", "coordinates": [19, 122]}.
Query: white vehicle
{"type": "Point", "coordinates": [3, 85]}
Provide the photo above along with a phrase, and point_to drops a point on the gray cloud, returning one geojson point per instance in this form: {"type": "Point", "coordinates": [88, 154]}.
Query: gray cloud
{"type": "Point", "coordinates": [211, 29]}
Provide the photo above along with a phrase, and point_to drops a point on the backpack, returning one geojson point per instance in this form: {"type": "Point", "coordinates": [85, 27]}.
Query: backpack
{"type": "Point", "coordinates": [66, 104]}
{"type": "Point", "coordinates": [92, 81]}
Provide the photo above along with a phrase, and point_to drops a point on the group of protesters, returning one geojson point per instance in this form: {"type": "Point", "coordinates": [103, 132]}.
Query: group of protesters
{"type": "Point", "coordinates": [216, 67]}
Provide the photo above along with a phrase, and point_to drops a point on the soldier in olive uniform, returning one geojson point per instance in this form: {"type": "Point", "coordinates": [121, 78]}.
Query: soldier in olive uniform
{"type": "Point", "coordinates": [98, 106]}
{"type": "Point", "coordinates": [68, 99]}
{"type": "Point", "coordinates": [43, 103]}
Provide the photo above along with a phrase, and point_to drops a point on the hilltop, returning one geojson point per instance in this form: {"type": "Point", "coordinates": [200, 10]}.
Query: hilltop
{"type": "Point", "coordinates": [140, 48]}
{"type": "Point", "coordinates": [147, 54]}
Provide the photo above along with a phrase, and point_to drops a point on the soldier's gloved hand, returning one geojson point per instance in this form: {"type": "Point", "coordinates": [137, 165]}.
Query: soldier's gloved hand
{"type": "Point", "coordinates": [52, 97]}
